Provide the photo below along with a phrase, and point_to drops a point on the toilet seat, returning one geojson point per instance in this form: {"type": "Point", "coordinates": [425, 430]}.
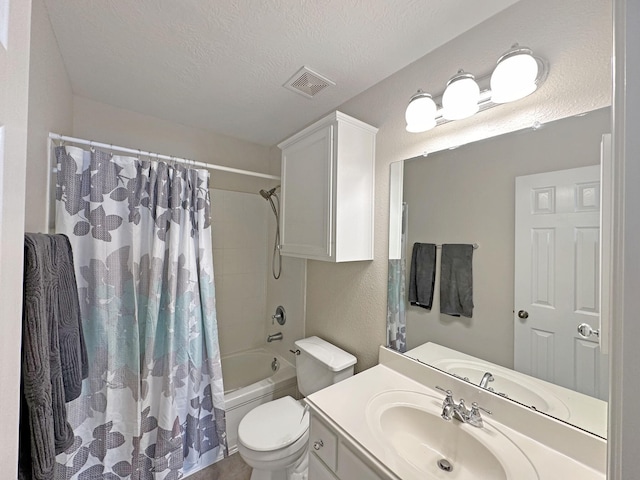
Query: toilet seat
{"type": "Point", "coordinates": [273, 425]}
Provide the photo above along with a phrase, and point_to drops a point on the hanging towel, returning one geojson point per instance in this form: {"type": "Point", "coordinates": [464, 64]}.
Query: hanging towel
{"type": "Point", "coordinates": [456, 280]}
{"type": "Point", "coordinates": [50, 314]}
{"type": "Point", "coordinates": [422, 276]}
{"type": "Point", "coordinates": [73, 352]}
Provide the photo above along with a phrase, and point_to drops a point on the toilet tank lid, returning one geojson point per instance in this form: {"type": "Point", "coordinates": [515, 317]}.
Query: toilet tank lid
{"type": "Point", "coordinates": [333, 357]}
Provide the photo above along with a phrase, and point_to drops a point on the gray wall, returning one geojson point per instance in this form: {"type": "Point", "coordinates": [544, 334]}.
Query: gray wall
{"type": "Point", "coordinates": [467, 195]}
{"type": "Point", "coordinates": [50, 110]}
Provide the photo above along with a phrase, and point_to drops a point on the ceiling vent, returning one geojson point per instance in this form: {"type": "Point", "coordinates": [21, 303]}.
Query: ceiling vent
{"type": "Point", "coordinates": [307, 82]}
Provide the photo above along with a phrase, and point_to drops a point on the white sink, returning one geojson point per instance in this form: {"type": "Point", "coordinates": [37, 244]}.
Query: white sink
{"type": "Point", "coordinates": [409, 427]}
{"type": "Point", "coordinates": [516, 387]}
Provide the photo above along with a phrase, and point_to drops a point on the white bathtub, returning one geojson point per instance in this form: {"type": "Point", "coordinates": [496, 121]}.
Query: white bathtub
{"type": "Point", "coordinates": [249, 381]}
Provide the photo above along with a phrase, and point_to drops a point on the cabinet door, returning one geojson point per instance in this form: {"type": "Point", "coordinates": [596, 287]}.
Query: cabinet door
{"type": "Point", "coordinates": [323, 442]}
{"type": "Point", "coordinates": [318, 470]}
{"type": "Point", "coordinates": [307, 171]}
{"type": "Point", "coordinates": [351, 466]}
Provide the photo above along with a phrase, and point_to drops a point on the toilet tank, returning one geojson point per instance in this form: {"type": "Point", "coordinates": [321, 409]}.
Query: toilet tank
{"type": "Point", "coordinates": [321, 364]}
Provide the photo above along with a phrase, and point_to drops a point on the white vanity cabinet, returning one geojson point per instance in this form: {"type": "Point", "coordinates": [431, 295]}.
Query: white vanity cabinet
{"type": "Point", "coordinates": [333, 458]}
{"type": "Point", "coordinates": [327, 191]}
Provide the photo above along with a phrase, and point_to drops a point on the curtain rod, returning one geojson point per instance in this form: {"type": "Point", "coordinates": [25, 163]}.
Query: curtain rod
{"type": "Point", "coordinates": [211, 166]}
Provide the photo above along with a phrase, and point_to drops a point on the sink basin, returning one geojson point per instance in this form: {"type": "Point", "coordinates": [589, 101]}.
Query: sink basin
{"type": "Point", "coordinates": [516, 387]}
{"type": "Point", "coordinates": [422, 445]}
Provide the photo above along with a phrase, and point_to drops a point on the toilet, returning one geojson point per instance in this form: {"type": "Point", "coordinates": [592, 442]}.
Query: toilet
{"type": "Point", "coordinates": [274, 438]}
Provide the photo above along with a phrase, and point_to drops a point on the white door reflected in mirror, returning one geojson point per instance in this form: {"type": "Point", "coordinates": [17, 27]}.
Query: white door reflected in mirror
{"type": "Point", "coordinates": [557, 272]}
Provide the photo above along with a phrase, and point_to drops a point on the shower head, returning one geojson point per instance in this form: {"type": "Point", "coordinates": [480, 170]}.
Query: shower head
{"type": "Point", "coordinates": [266, 194]}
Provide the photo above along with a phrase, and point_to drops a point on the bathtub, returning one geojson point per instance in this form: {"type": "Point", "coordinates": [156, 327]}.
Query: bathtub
{"type": "Point", "coordinates": [249, 381]}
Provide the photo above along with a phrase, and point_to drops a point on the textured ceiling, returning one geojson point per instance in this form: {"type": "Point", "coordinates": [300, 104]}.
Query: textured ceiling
{"type": "Point", "coordinates": [220, 64]}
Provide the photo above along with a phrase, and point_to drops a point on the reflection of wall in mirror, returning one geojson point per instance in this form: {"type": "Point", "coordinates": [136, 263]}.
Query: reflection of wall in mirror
{"type": "Point", "coordinates": [466, 195]}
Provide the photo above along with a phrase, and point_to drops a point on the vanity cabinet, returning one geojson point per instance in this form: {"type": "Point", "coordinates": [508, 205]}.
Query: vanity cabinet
{"type": "Point", "coordinates": [332, 457]}
{"type": "Point", "coordinates": [327, 191]}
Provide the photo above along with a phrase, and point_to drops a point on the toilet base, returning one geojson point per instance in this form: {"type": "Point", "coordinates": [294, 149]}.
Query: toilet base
{"type": "Point", "coordinates": [299, 471]}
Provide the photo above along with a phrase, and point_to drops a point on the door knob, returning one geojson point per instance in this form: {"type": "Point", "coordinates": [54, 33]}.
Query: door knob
{"type": "Point", "coordinates": [585, 330]}
{"type": "Point", "coordinates": [523, 314]}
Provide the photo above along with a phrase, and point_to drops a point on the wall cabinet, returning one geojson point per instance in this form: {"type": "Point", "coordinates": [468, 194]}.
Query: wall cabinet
{"type": "Point", "coordinates": [332, 457]}
{"type": "Point", "coordinates": [328, 190]}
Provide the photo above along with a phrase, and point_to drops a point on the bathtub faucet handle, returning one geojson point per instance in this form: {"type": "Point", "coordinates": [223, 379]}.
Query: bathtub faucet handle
{"type": "Point", "coordinates": [280, 316]}
{"type": "Point", "coordinates": [295, 352]}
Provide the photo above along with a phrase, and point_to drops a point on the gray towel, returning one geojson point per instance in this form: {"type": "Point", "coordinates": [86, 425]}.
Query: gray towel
{"type": "Point", "coordinates": [73, 352]}
{"type": "Point", "coordinates": [48, 302]}
{"type": "Point", "coordinates": [456, 280]}
{"type": "Point", "coordinates": [422, 276]}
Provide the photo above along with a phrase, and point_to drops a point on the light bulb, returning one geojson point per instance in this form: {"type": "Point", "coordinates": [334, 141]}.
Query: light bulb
{"type": "Point", "coordinates": [460, 98]}
{"type": "Point", "coordinates": [421, 113]}
{"type": "Point", "coordinates": [515, 76]}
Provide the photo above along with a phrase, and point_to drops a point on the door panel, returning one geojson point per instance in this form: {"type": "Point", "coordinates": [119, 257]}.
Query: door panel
{"type": "Point", "coordinates": [543, 251]}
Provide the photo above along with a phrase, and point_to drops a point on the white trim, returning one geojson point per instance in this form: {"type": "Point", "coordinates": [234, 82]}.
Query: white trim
{"type": "Point", "coordinates": [606, 240]}
{"type": "Point", "coordinates": [624, 421]}
{"type": "Point", "coordinates": [193, 163]}
{"type": "Point", "coordinates": [50, 169]}
{"type": "Point", "coordinates": [396, 173]}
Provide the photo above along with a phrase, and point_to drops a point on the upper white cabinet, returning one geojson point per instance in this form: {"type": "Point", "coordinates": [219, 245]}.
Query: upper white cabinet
{"type": "Point", "coordinates": [327, 190]}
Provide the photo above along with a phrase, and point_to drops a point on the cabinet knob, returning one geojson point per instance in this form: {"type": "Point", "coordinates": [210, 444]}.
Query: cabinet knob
{"type": "Point", "coordinates": [317, 445]}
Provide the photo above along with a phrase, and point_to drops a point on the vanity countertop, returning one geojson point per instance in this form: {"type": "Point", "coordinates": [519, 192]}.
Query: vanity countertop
{"type": "Point", "coordinates": [345, 404]}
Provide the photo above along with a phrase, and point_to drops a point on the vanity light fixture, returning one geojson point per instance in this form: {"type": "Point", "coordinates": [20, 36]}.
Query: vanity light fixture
{"type": "Point", "coordinates": [421, 113]}
{"type": "Point", "coordinates": [515, 75]}
{"type": "Point", "coordinates": [518, 73]}
{"type": "Point", "coordinates": [460, 98]}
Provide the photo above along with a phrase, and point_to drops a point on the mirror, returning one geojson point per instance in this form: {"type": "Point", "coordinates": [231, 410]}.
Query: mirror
{"type": "Point", "coordinates": [532, 287]}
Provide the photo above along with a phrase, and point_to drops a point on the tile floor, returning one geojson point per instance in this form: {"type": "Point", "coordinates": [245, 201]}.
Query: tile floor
{"type": "Point", "coordinates": [231, 468]}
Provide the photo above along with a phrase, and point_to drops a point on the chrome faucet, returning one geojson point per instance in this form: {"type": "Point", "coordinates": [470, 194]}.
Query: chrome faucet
{"type": "Point", "coordinates": [486, 378]}
{"type": "Point", "coordinates": [460, 411]}
{"type": "Point", "coordinates": [275, 336]}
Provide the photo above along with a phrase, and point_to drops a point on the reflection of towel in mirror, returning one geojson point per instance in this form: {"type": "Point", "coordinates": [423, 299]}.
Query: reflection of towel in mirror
{"type": "Point", "coordinates": [456, 280]}
{"type": "Point", "coordinates": [423, 275]}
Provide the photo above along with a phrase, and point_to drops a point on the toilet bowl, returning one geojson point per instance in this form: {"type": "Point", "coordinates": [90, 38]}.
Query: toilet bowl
{"type": "Point", "coordinates": [273, 438]}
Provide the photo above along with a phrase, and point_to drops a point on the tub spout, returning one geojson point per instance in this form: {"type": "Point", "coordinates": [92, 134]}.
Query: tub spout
{"type": "Point", "coordinates": [275, 336]}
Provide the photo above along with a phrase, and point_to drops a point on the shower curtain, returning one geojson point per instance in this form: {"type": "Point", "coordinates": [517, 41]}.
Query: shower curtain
{"type": "Point", "coordinates": [153, 405]}
{"type": "Point", "coordinates": [396, 293]}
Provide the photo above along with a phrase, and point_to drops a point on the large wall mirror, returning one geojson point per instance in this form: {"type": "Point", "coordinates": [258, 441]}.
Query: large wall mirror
{"type": "Point", "coordinates": [531, 202]}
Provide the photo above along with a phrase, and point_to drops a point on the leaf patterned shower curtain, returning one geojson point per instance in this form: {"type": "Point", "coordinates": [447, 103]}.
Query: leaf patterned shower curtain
{"type": "Point", "coordinates": [397, 294]}
{"type": "Point", "coordinates": [153, 405]}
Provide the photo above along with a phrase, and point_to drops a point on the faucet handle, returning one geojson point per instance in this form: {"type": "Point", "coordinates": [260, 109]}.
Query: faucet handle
{"type": "Point", "coordinates": [448, 392]}
{"type": "Point", "coordinates": [448, 400]}
{"type": "Point", "coordinates": [475, 409]}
